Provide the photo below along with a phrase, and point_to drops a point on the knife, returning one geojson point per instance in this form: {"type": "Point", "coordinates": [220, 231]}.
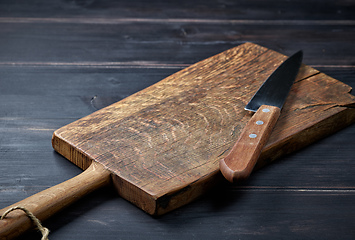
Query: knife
{"type": "Point", "coordinates": [266, 103]}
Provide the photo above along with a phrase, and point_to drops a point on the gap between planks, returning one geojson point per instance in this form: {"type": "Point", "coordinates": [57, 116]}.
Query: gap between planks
{"type": "Point", "coordinates": [176, 20]}
{"type": "Point", "coordinates": [133, 64]}
{"type": "Point", "coordinates": [335, 190]}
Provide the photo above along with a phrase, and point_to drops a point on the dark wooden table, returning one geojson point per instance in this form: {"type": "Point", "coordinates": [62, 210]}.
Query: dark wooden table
{"type": "Point", "coordinates": [62, 60]}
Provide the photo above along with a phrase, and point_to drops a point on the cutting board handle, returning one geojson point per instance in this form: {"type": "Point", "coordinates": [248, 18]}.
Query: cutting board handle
{"type": "Point", "coordinates": [46, 203]}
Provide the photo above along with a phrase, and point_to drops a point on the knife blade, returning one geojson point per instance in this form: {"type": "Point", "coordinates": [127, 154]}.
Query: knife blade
{"type": "Point", "coordinates": [266, 103]}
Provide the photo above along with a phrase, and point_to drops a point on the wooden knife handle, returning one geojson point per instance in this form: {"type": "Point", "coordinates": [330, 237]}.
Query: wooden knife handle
{"type": "Point", "coordinates": [44, 204]}
{"type": "Point", "coordinates": [240, 161]}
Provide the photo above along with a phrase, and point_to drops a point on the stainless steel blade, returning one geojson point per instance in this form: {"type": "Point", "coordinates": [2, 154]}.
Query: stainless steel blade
{"type": "Point", "coordinates": [276, 88]}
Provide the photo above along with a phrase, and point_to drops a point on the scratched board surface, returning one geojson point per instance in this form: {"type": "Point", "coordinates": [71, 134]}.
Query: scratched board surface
{"type": "Point", "coordinates": [163, 143]}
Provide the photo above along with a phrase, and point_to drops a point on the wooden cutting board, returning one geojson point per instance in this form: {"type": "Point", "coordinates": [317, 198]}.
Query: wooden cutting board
{"type": "Point", "coordinates": [163, 144]}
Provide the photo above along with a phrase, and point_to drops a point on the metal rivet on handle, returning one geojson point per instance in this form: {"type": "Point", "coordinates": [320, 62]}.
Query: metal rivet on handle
{"type": "Point", "coordinates": [266, 110]}
{"type": "Point", "coordinates": [259, 122]}
{"type": "Point", "coordinates": [253, 135]}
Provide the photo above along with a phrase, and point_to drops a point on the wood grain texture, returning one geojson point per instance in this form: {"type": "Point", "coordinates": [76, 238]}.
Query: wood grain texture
{"type": "Point", "coordinates": [163, 143]}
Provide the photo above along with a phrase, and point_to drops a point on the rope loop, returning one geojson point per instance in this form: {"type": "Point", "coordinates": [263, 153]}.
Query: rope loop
{"type": "Point", "coordinates": [43, 230]}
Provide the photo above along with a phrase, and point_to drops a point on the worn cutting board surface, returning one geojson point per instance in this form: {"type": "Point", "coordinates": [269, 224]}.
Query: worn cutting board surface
{"type": "Point", "coordinates": [163, 144]}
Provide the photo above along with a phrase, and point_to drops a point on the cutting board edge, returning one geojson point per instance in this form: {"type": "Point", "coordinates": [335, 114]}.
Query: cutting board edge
{"type": "Point", "coordinates": [66, 149]}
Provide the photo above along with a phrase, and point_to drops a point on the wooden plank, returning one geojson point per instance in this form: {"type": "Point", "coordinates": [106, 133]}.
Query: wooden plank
{"type": "Point", "coordinates": [208, 9]}
{"type": "Point", "coordinates": [145, 44]}
{"type": "Point", "coordinates": [163, 143]}
{"type": "Point", "coordinates": [75, 92]}
{"type": "Point", "coordinates": [238, 213]}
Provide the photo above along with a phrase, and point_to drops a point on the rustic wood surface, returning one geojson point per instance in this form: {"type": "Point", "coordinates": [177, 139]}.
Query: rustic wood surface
{"type": "Point", "coordinates": [62, 60]}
